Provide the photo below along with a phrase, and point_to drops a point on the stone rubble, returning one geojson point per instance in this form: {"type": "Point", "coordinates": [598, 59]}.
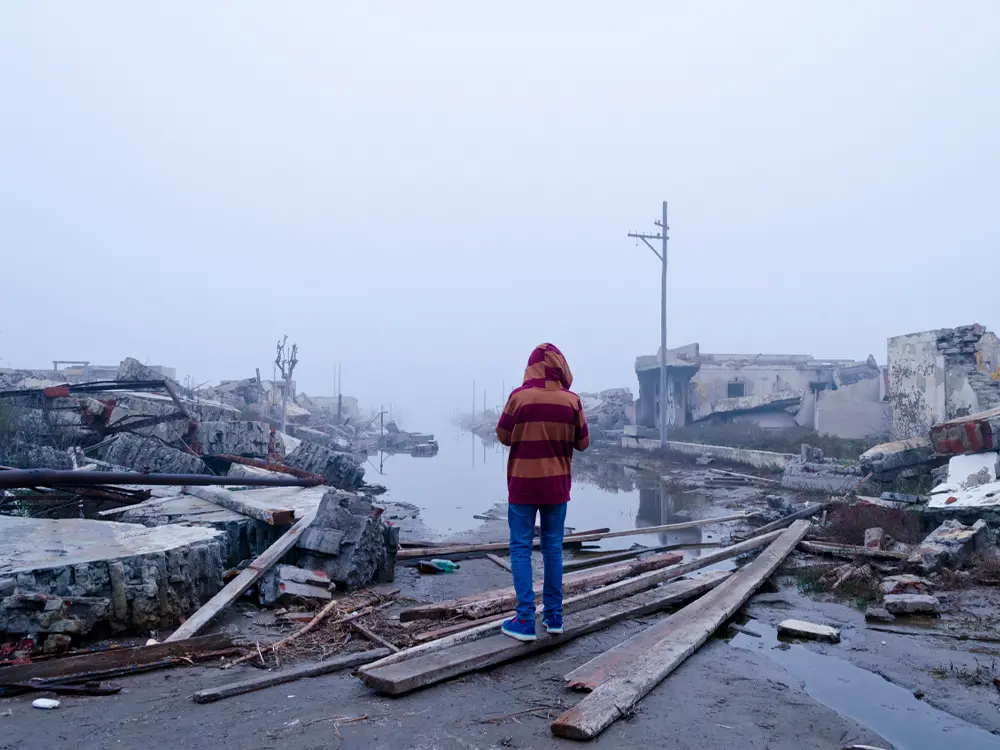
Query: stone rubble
{"type": "Point", "coordinates": [951, 545]}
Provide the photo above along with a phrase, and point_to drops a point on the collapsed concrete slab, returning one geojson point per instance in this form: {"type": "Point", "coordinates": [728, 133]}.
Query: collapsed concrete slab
{"type": "Point", "coordinates": [149, 454]}
{"type": "Point", "coordinates": [349, 541]}
{"type": "Point", "coordinates": [951, 545]}
{"type": "Point", "coordinates": [234, 437]}
{"type": "Point", "coordinates": [830, 478]}
{"type": "Point", "coordinates": [342, 470]}
{"type": "Point", "coordinates": [73, 576]}
{"type": "Point", "coordinates": [888, 460]}
{"type": "Point", "coordinates": [911, 604]}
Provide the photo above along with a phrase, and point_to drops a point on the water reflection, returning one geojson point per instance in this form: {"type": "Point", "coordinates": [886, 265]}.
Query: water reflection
{"type": "Point", "coordinates": [658, 507]}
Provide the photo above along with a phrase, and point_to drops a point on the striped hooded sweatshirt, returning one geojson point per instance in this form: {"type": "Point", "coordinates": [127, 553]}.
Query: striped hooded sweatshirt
{"type": "Point", "coordinates": [543, 422]}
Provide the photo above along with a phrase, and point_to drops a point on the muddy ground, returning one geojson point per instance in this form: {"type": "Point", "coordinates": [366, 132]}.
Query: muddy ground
{"type": "Point", "coordinates": [886, 690]}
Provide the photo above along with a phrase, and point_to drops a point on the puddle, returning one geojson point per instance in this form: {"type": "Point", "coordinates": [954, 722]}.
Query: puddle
{"type": "Point", "coordinates": [871, 700]}
{"type": "Point", "coordinates": [469, 477]}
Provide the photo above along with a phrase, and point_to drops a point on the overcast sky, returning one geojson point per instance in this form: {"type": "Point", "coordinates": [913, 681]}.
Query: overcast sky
{"type": "Point", "coordinates": [425, 191]}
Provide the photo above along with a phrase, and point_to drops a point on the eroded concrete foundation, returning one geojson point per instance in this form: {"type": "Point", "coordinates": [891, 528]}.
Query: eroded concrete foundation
{"type": "Point", "coordinates": [75, 576]}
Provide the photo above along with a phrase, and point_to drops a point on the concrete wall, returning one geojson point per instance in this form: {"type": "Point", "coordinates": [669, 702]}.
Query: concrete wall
{"type": "Point", "coordinates": [756, 459]}
{"type": "Point", "coordinates": [647, 406]}
{"type": "Point", "coordinates": [760, 375]}
{"type": "Point", "coordinates": [916, 384]}
{"type": "Point", "coordinates": [854, 411]}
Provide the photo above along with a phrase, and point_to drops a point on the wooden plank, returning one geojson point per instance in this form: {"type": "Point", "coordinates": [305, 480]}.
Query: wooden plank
{"type": "Point", "coordinates": [428, 669]}
{"type": "Point", "coordinates": [241, 583]}
{"type": "Point", "coordinates": [751, 477]}
{"type": "Point", "coordinates": [781, 523]}
{"type": "Point", "coordinates": [480, 628]}
{"type": "Point", "coordinates": [374, 637]}
{"type": "Point", "coordinates": [590, 562]}
{"type": "Point", "coordinates": [623, 675]}
{"type": "Point", "coordinates": [849, 552]}
{"type": "Point", "coordinates": [404, 554]}
{"type": "Point", "coordinates": [337, 663]}
{"type": "Point", "coordinates": [500, 600]}
{"type": "Point", "coordinates": [498, 560]}
{"type": "Point", "coordinates": [114, 659]}
{"type": "Point", "coordinates": [231, 501]}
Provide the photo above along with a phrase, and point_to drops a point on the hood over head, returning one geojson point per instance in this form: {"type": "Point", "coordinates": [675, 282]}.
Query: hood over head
{"type": "Point", "coordinates": [547, 368]}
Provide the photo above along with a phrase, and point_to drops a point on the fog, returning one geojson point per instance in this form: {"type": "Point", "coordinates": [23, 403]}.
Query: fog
{"type": "Point", "coordinates": [424, 192]}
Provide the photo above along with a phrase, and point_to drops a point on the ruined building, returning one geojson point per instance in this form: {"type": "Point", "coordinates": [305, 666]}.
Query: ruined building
{"type": "Point", "coordinates": [840, 397]}
{"type": "Point", "coordinates": [935, 376]}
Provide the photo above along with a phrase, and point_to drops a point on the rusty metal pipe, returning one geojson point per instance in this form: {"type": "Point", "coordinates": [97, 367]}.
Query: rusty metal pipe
{"type": "Point", "coordinates": [17, 478]}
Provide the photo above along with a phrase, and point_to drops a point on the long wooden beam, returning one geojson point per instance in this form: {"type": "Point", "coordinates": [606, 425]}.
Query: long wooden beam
{"type": "Point", "coordinates": [480, 628]}
{"type": "Point", "coordinates": [343, 661]}
{"type": "Point", "coordinates": [500, 600]}
{"type": "Point", "coordinates": [404, 554]}
{"type": "Point", "coordinates": [625, 674]}
{"type": "Point", "coordinates": [421, 671]}
{"type": "Point", "coordinates": [115, 658]}
{"type": "Point", "coordinates": [241, 583]}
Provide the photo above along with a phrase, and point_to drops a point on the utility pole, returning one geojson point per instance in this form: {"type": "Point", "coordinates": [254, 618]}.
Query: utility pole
{"type": "Point", "coordinates": [662, 255]}
{"type": "Point", "coordinates": [473, 400]}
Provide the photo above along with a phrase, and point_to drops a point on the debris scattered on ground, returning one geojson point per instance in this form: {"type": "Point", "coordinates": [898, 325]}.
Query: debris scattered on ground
{"type": "Point", "coordinates": [911, 604]}
{"type": "Point", "coordinates": [951, 545]}
{"type": "Point", "coordinates": [808, 630]}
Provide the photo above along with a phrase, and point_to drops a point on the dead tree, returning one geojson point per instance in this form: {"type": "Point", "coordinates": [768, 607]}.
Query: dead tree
{"type": "Point", "coordinates": [285, 362]}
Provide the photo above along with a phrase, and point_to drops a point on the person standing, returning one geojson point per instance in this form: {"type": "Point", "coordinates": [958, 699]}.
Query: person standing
{"type": "Point", "coordinates": [542, 423]}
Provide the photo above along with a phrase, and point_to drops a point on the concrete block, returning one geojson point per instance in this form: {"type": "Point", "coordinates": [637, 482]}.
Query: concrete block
{"type": "Point", "coordinates": [951, 545]}
{"type": "Point", "coordinates": [808, 630]}
{"type": "Point", "coordinates": [905, 584]}
{"type": "Point", "coordinates": [234, 437]}
{"type": "Point", "coordinates": [352, 530]}
{"type": "Point", "coordinates": [142, 453]}
{"type": "Point", "coordinates": [342, 470]}
{"type": "Point", "coordinates": [886, 461]}
{"type": "Point", "coordinates": [911, 604]}
{"type": "Point", "coordinates": [879, 614]}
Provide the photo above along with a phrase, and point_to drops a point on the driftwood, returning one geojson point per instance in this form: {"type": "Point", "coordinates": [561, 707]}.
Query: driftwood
{"type": "Point", "coordinates": [623, 675]}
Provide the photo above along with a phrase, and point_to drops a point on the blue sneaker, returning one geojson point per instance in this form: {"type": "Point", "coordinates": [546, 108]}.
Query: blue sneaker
{"type": "Point", "coordinates": [553, 624]}
{"type": "Point", "coordinates": [522, 630]}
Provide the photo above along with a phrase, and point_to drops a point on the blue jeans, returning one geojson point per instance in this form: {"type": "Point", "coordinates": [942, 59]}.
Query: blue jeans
{"type": "Point", "coordinates": [521, 519]}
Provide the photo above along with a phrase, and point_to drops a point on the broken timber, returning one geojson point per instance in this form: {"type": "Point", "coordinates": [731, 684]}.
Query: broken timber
{"type": "Point", "coordinates": [590, 562]}
{"type": "Point", "coordinates": [622, 676]}
{"type": "Point", "coordinates": [404, 554]}
{"type": "Point", "coordinates": [500, 600]}
{"type": "Point", "coordinates": [337, 663]}
{"type": "Point", "coordinates": [241, 583]}
{"type": "Point", "coordinates": [499, 561]}
{"type": "Point", "coordinates": [850, 552]}
{"type": "Point", "coordinates": [116, 659]}
{"type": "Point", "coordinates": [781, 523]}
{"type": "Point", "coordinates": [467, 631]}
{"type": "Point", "coordinates": [409, 674]}
{"type": "Point", "coordinates": [230, 501]}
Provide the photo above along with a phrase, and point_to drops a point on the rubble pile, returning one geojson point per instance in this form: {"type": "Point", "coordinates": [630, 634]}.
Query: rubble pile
{"type": "Point", "coordinates": [609, 412]}
{"type": "Point", "coordinates": [349, 541]}
{"type": "Point", "coordinates": [145, 421]}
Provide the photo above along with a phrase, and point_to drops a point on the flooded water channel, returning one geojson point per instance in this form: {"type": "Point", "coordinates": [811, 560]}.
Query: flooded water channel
{"type": "Point", "coordinates": [467, 479]}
